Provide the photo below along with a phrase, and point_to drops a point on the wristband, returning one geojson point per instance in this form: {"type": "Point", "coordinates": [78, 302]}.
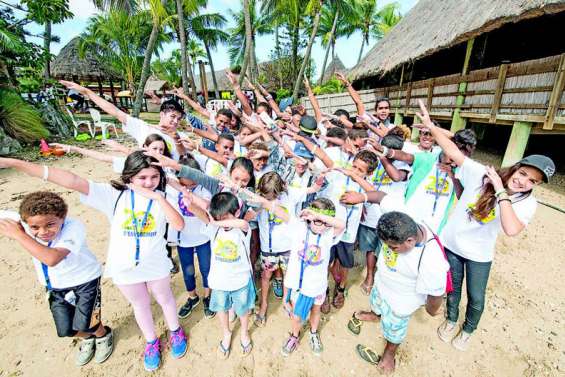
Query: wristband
{"type": "Point", "coordinates": [500, 192]}
{"type": "Point", "coordinates": [504, 200]}
{"type": "Point", "coordinates": [45, 172]}
{"type": "Point", "coordinates": [385, 151]}
{"type": "Point", "coordinates": [365, 197]}
{"type": "Point", "coordinates": [269, 97]}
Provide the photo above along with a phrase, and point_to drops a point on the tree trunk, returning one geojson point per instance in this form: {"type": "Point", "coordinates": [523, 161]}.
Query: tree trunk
{"type": "Point", "coordinates": [295, 42]}
{"type": "Point", "coordinates": [306, 57]}
{"type": "Point", "coordinates": [249, 38]}
{"type": "Point", "coordinates": [182, 40]}
{"type": "Point", "coordinates": [365, 36]}
{"type": "Point", "coordinates": [244, 65]}
{"type": "Point", "coordinates": [216, 91]}
{"type": "Point", "coordinates": [278, 55]}
{"type": "Point", "coordinates": [47, 50]}
{"type": "Point", "coordinates": [332, 32]}
{"type": "Point", "coordinates": [145, 70]}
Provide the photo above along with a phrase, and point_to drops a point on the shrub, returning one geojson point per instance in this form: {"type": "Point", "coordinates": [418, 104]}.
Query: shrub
{"type": "Point", "coordinates": [19, 119]}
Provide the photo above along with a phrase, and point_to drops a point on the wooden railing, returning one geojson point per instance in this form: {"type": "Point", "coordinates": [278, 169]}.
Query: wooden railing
{"type": "Point", "coordinates": [529, 91]}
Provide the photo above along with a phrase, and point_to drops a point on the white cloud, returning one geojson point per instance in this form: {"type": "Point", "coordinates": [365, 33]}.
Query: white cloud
{"type": "Point", "coordinates": [82, 8]}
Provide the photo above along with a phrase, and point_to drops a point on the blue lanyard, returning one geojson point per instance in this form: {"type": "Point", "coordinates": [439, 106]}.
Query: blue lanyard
{"type": "Point", "coordinates": [351, 208]}
{"type": "Point", "coordinates": [187, 210]}
{"type": "Point", "coordinates": [45, 268]}
{"type": "Point", "coordinates": [303, 264]}
{"type": "Point", "coordinates": [137, 231]}
{"type": "Point", "coordinates": [272, 225]}
{"type": "Point", "coordinates": [377, 177]}
{"type": "Point", "coordinates": [438, 189]}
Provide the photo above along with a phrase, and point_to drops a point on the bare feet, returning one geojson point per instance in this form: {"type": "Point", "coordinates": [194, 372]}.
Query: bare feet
{"type": "Point", "coordinates": [386, 365]}
{"type": "Point", "coordinates": [366, 316]}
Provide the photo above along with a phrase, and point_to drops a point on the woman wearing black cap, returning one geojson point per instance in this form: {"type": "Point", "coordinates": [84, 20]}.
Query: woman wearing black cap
{"type": "Point", "coordinates": [491, 201]}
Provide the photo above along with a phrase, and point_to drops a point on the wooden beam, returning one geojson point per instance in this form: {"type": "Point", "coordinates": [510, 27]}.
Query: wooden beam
{"type": "Point", "coordinates": [430, 94]}
{"type": "Point", "coordinates": [517, 143]}
{"type": "Point", "coordinates": [408, 95]}
{"type": "Point", "coordinates": [459, 123]}
{"type": "Point", "coordinates": [556, 94]}
{"type": "Point", "coordinates": [396, 113]}
{"type": "Point", "coordinates": [498, 92]}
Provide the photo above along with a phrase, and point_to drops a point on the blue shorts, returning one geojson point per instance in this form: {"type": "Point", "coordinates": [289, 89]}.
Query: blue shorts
{"type": "Point", "coordinates": [368, 239]}
{"type": "Point", "coordinates": [394, 326]}
{"type": "Point", "coordinates": [242, 300]}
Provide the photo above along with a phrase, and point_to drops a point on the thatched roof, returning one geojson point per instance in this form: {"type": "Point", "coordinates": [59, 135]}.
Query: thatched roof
{"type": "Point", "coordinates": [154, 83]}
{"type": "Point", "coordinates": [336, 65]}
{"type": "Point", "coordinates": [433, 25]}
{"type": "Point", "coordinates": [68, 65]}
{"type": "Point", "coordinates": [223, 82]}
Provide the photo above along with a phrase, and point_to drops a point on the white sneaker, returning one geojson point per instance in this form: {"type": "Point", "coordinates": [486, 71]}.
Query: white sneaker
{"type": "Point", "coordinates": [461, 341]}
{"type": "Point", "coordinates": [85, 352]}
{"type": "Point", "coordinates": [447, 330]}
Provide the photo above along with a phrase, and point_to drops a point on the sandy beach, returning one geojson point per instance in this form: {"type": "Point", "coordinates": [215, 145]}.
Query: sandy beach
{"type": "Point", "coordinates": [522, 332]}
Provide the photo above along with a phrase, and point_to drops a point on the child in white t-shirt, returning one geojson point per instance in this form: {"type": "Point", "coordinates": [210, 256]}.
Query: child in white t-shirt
{"type": "Point", "coordinates": [230, 277]}
{"type": "Point", "coordinates": [190, 240]}
{"type": "Point", "coordinates": [66, 267]}
{"type": "Point", "coordinates": [137, 258]}
{"type": "Point", "coordinates": [306, 280]}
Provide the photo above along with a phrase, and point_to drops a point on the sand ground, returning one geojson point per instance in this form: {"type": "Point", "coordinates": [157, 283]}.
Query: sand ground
{"type": "Point", "coordinates": [522, 332]}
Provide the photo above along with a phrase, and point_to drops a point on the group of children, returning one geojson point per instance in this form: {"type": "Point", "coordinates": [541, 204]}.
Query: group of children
{"type": "Point", "coordinates": [264, 194]}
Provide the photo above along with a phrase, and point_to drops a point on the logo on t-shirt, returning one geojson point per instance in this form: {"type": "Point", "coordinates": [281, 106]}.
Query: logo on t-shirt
{"type": "Point", "coordinates": [491, 215]}
{"type": "Point", "coordinates": [274, 218]}
{"type": "Point", "coordinates": [381, 178]}
{"type": "Point", "coordinates": [148, 229]}
{"type": "Point", "coordinates": [390, 257]}
{"type": "Point", "coordinates": [312, 256]}
{"type": "Point", "coordinates": [183, 208]}
{"type": "Point", "coordinates": [226, 251]}
{"type": "Point", "coordinates": [434, 187]}
{"type": "Point", "coordinates": [216, 170]}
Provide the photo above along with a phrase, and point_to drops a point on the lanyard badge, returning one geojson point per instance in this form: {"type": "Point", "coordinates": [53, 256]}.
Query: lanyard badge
{"type": "Point", "coordinates": [137, 231]}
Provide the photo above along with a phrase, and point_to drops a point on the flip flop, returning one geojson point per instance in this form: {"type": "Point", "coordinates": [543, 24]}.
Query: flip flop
{"type": "Point", "coordinates": [354, 325]}
{"type": "Point", "coordinates": [366, 290]}
{"type": "Point", "coordinates": [224, 352]}
{"type": "Point", "coordinates": [368, 354]}
{"type": "Point", "coordinates": [246, 350]}
{"type": "Point", "coordinates": [260, 320]}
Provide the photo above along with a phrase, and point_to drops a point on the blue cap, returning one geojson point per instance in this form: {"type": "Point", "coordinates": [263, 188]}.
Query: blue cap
{"type": "Point", "coordinates": [301, 151]}
{"type": "Point", "coordinates": [285, 102]}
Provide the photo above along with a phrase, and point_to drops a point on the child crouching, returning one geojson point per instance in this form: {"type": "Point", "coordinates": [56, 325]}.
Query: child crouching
{"type": "Point", "coordinates": [306, 278]}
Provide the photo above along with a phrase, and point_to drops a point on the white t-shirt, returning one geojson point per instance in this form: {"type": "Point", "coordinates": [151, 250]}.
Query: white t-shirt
{"type": "Point", "coordinates": [190, 235]}
{"type": "Point", "coordinates": [351, 214]}
{"type": "Point", "coordinates": [300, 182]}
{"type": "Point", "coordinates": [79, 266]}
{"type": "Point", "coordinates": [340, 158]}
{"type": "Point", "coordinates": [153, 263]}
{"type": "Point", "coordinates": [475, 239]}
{"type": "Point", "coordinates": [434, 190]}
{"type": "Point", "coordinates": [239, 150]}
{"type": "Point", "coordinates": [279, 231]}
{"type": "Point", "coordinates": [404, 285]}
{"type": "Point", "coordinates": [382, 182]}
{"type": "Point", "coordinates": [139, 130]}
{"type": "Point", "coordinates": [210, 166]}
{"type": "Point", "coordinates": [230, 269]}
{"type": "Point", "coordinates": [118, 164]}
{"type": "Point", "coordinates": [412, 148]}
{"type": "Point", "coordinates": [316, 259]}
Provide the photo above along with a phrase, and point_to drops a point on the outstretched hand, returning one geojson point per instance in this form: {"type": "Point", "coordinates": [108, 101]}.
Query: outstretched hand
{"type": "Point", "coordinates": [163, 161]}
{"type": "Point", "coordinates": [494, 178]}
{"type": "Point", "coordinates": [74, 86]}
{"type": "Point", "coordinates": [11, 229]}
{"type": "Point", "coordinates": [424, 115]}
{"type": "Point", "coordinates": [231, 77]}
{"type": "Point", "coordinates": [342, 78]}
{"type": "Point", "coordinates": [352, 197]}
{"type": "Point", "coordinates": [149, 194]}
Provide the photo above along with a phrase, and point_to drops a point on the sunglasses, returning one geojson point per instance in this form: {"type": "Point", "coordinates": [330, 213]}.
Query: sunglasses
{"type": "Point", "coordinates": [317, 222]}
{"type": "Point", "coordinates": [425, 133]}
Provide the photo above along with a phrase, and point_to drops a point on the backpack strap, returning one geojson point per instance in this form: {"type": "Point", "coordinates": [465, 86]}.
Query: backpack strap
{"type": "Point", "coordinates": [116, 202]}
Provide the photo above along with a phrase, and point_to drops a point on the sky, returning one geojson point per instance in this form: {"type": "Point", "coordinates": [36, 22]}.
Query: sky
{"type": "Point", "coordinates": [83, 9]}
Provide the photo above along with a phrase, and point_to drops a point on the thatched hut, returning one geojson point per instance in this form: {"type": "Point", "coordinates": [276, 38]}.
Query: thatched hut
{"type": "Point", "coordinates": [336, 65]}
{"type": "Point", "coordinates": [68, 65]}
{"type": "Point", "coordinates": [482, 61]}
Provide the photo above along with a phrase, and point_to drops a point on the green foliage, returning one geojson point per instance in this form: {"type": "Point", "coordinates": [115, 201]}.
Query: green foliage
{"type": "Point", "coordinates": [19, 119]}
{"type": "Point", "coordinates": [260, 25]}
{"type": "Point", "coordinates": [54, 11]}
{"type": "Point", "coordinates": [169, 69]}
{"type": "Point", "coordinates": [283, 93]}
{"type": "Point", "coordinates": [329, 87]}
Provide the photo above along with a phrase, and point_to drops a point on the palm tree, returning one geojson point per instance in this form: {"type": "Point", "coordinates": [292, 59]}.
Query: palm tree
{"type": "Point", "coordinates": [315, 7]}
{"type": "Point", "coordinates": [375, 21]}
{"type": "Point", "coordinates": [194, 51]}
{"type": "Point", "coordinates": [47, 13]}
{"type": "Point", "coordinates": [208, 29]}
{"type": "Point", "coordinates": [336, 12]}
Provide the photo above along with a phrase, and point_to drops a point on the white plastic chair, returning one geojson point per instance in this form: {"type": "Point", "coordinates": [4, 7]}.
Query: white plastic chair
{"type": "Point", "coordinates": [97, 120]}
{"type": "Point", "coordinates": [216, 104]}
{"type": "Point", "coordinates": [76, 124]}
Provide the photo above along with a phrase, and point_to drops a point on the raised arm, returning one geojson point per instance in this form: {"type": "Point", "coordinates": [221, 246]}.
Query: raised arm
{"type": "Point", "coordinates": [57, 176]}
{"type": "Point", "coordinates": [258, 94]}
{"type": "Point", "coordinates": [448, 146]}
{"type": "Point", "coordinates": [353, 93]}
{"type": "Point", "coordinates": [315, 150]}
{"type": "Point", "coordinates": [271, 101]}
{"type": "Point", "coordinates": [397, 175]}
{"type": "Point", "coordinates": [246, 107]}
{"type": "Point", "coordinates": [86, 152]}
{"type": "Point", "coordinates": [334, 222]}
{"type": "Point", "coordinates": [357, 178]}
{"type": "Point", "coordinates": [179, 92]}
{"type": "Point", "coordinates": [313, 100]}
{"type": "Point", "coordinates": [106, 106]}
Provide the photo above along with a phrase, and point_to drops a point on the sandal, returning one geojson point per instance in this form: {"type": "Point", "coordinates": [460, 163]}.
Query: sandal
{"type": "Point", "coordinates": [339, 298]}
{"type": "Point", "coordinates": [260, 320]}
{"type": "Point", "coordinates": [246, 350]}
{"type": "Point", "coordinates": [290, 345]}
{"type": "Point", "coordinates": [326, 308]}
{"type": "Point", "coordinates": [354, 325]}
{"type": "Point", "coordinates": [367, 354]}
{"type": "Point", "coordinates": [224, 352]}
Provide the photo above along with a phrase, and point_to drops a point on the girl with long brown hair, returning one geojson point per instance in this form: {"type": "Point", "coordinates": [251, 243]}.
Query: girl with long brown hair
{"type": "Point", "coordinates": [492, 200]}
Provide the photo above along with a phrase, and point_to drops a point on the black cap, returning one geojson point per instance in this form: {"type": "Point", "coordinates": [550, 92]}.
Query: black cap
{"type": "Point", "coordinates": [308, 124]}
{"type": "Point", "coordinates": [543, 163]}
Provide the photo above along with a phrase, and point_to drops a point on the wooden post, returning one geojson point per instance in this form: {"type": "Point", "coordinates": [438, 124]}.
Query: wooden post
{"type": "Point", "coordinates": [517, 143]}
{"type": "Point", "coordinates": [415, 135]}
{"type": "Point", "coordinates": [112, 92]}
{"type": "Point", "coordinates": [556, 94]}
{"type": "Point", "coordinates": [408, 97]}
{"type": "Point", "coordinates": [397, 115]}
{"type": "Point", "coordinates": [459, 123]}
{"type": "Point", "coordinates": [430, 95]}
{"type": "Point", "coordinates": [100, 90]}
{"type": "Point", "coordinates": [203, 82]}
{"type": "Point", "coordinates": [498, 92]}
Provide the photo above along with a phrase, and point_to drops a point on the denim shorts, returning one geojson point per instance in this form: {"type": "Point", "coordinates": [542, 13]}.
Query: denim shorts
{"type": "Point", "coordinates": [394, 326]}
{"type": "Point", "coordinates": [241, 300]}
{"type": "Point", "coordinates": [343, 252]}
{"type": "Point", "coordinates": [368, 239]}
